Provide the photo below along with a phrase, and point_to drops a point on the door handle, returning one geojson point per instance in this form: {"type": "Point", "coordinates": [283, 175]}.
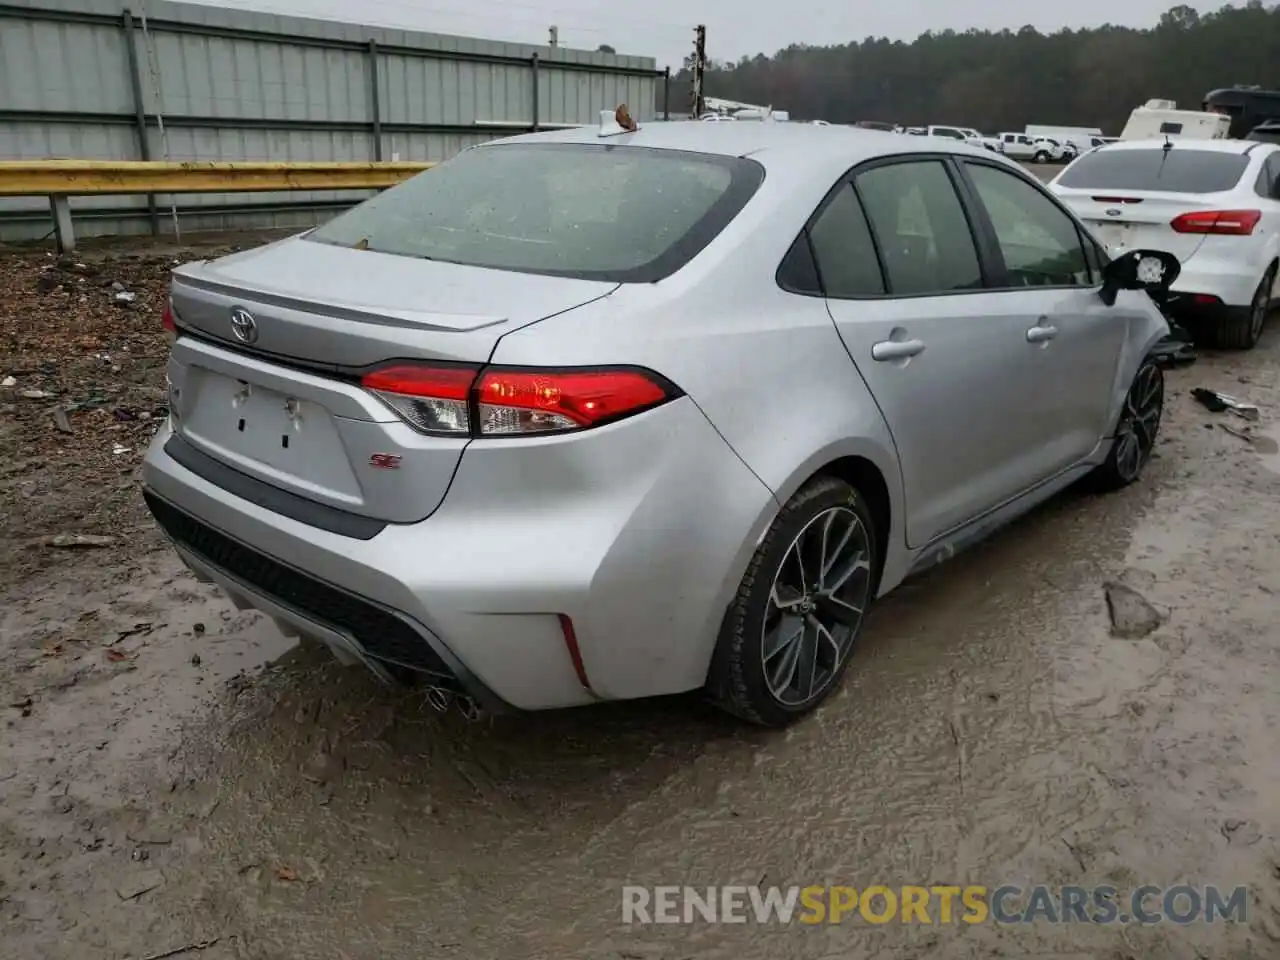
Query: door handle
{"type": "Point", "coordinates": [896, 349]}
{"type": "Point", "coordinates": [1041, 334]}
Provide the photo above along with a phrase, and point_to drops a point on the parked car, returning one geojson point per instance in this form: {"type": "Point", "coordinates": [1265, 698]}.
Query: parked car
{"type": "Point", "coordinates": [1073, 140]}
{"type": "Point", "coordinates": [1213, 204]}
{"type": "Point", "coordinates": [1019, 146]}
{"type": "Point", "coordinates": [595, 414]}
{"type": "Point", "coordinates": [977, 139]}
{"type": "Point", "coordinates": [967, 134]}
{"type": "Point", "coordinates": [1266, 132]}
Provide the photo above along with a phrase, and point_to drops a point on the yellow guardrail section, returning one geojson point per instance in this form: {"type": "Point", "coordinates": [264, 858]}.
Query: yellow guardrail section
{"type": "Point", "coordinates": [65, 178]}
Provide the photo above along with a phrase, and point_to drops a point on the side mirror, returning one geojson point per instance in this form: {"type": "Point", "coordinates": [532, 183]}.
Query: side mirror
{"type": "Point", "coordinates": [1150, 270]}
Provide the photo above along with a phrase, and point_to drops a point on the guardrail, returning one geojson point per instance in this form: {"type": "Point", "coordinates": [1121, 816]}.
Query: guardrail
{"type": "Point", "coordinates": [61, 179]}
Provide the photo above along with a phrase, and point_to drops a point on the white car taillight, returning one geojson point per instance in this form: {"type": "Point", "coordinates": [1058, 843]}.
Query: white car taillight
{"type": "Point", "coordinates": [1231, 223]}
{"type": "Point", "coordinates": [507, 402]}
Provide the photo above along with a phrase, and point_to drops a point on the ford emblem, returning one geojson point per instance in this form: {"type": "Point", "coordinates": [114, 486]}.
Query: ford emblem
{"type": "Point", "coordinates": [243, 327]}
{"type": "Point", "coordinates": [1114, 212]}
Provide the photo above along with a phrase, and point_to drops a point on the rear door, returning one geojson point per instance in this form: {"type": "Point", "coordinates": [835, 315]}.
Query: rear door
{"type": "Point", "coordinates": [1131, 197]}
{"type": "Point", "coordinates": [1045, 275]}
{"type": "Point", "coordinates": [906, 288]}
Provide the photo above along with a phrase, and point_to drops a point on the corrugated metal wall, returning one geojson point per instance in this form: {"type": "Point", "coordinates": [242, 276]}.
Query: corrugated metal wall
{"type": "Point", "coordinates": [87, 79]}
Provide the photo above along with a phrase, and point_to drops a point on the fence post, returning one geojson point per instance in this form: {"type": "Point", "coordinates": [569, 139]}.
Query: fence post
{"type": "Point", "coordinates": [62, 229]}
{"type": "Point", "coordinates": [139, 108]}
{"type": "Point", "coordinates": [666, 95]}
{"type": "Point", "coordinates": [376, 100]}
{"type": "Point", "coordinates": [534, 63]}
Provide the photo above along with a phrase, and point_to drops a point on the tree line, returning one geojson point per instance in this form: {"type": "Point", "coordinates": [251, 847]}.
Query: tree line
{"type": "Point", "coordinates": [1003, 80]}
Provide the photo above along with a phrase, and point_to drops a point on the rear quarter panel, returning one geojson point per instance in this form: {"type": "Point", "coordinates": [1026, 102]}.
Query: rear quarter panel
{"type": "Point", "coordinates": [766, 367]}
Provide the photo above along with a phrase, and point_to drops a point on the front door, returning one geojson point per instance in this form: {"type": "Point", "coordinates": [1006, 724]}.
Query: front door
{"type": "Point", "coordinates": [943, 362]}
{"type": "Point", "coordinates": [1048, 281]}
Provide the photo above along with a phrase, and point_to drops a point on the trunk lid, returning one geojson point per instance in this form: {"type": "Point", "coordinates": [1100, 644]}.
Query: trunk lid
{"type": "Point", "coordinates": [1131, 219]}
{"type": "Point", "coordinates": [287, 408]}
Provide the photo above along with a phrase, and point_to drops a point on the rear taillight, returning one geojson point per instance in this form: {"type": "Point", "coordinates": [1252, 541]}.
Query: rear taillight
{"type": "Point", "coordinates": [431, 399]}
{"type": "Point", "coordinates": [1231, 223]}
{"type": "Point", "coordinates": [513, 402]}
{"type": "Point", "coordinates": [509, 402]}
{"type": "Point", "coordinates": [167, 321]}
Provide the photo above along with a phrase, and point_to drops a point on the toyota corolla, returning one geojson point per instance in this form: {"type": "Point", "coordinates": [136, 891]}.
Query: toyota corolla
{"type": "Point", "coordinates": [606, 413]}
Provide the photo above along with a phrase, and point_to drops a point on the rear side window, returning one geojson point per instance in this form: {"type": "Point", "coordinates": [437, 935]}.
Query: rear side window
{"type": "Point", "coordinates": [921, 228]}
{"type": "Point", "coordinates": [843, 247]}
{"type": "Point", "coordinates": [591, 211]}
{"type": "Point", "coordinates": [1180, 169]}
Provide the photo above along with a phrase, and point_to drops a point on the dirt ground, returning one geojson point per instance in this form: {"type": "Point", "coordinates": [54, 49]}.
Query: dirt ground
{"type": "Point", "coordinates": [176, 775]}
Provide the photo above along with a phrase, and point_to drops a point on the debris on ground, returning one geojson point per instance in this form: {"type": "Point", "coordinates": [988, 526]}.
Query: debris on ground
{"type": "Point", "coordinates": [140, 883]}
{"type": "Point", "coordinates": [83, 333]}
{"type": "Point", "coordinates": [1243, 434]}
{"type": "Point", "coordinates": [1132, 615]}
{"type": "Point", "coordinates": [78, 540]}
{"type": "Point", "coordinates": [185, 948]}
{"type": "Point", "coordinates": [1216, 402]}
{"type": "Point", "coordinates": [1171, 352]}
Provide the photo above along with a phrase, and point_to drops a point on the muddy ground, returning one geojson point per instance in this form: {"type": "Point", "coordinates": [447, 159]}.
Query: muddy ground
{"type": "Point", "coordinates": [174, 774]}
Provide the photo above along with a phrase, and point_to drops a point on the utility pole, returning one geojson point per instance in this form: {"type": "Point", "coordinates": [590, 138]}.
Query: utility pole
{"type": "Point", "coordinates": [699, 67]}
{"type": "Point", "coordinates": [553, 37]}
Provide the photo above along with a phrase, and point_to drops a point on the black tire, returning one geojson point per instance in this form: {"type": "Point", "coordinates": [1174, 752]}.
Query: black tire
{"type": "Point", "coordinates": [1143, 404]}
{"type": "Point", "coordinates": [1242, 327]}
{"type": "Point", "coordinates": [737, 681]}
{"type": "Point", "coordinates": [1040, 157]}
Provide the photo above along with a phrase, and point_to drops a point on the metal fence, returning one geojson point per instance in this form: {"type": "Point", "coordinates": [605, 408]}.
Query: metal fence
{"type": "Point", "coordinates": [93, 79]}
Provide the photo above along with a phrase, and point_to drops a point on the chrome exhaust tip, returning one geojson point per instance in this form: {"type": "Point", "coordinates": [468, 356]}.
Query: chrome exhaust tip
{"type": "Point", "coordinates": [439, 698]}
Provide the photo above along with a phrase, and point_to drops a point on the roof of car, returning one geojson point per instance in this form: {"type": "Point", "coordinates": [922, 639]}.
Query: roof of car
{"type": "Point", "coordinates": [772, 143]}
{"type": "Point", "coordinates": [1182, 143]}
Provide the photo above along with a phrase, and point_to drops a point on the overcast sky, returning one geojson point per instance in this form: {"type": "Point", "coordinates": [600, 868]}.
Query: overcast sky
{"type": "Point", "coordinates": [664, 28]}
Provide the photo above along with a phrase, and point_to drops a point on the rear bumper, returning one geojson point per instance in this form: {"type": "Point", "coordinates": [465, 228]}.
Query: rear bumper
{"type": "Point", "coordinates": [638, 532]}
{"type": "Point", "coordinates": [1233, 282]}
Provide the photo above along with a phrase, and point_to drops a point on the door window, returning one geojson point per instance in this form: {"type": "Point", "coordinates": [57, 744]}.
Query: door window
{"type": "Point", "coordinates": [842, 245]}
{"type": "Point", "coordinates": [921, 227]}
{"type": "Point", "coordinates": [1039, 242]}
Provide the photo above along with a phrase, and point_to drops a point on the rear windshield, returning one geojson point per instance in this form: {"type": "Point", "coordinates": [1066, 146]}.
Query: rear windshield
{"type": "Point", "coordinates": [592, 211]}
{"type": "Point", "coordinates": [1181, 169]}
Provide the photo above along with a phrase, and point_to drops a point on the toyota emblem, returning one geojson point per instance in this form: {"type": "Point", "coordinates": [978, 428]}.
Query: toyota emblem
{"type": "Point", "coordinates": [243, 326]}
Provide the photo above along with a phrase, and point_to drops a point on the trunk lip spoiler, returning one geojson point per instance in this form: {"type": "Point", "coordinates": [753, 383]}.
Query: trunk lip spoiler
{"type": "Point", "coordinates": [399, 319]}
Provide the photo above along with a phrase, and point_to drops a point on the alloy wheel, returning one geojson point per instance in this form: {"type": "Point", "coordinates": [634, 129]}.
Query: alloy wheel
{"type": "Point", "coordinates": [1139, 421]}
{"type": "Point", "coordinates": [816, 602]}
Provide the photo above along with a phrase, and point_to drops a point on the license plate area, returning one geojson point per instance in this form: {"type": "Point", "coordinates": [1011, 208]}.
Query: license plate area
{"type": "Point", "coordinates": [285, 440]}
{"type": "Point", "coordinates": [1112, 235]}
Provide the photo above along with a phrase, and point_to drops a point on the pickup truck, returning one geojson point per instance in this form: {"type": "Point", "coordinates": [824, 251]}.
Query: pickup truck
{"type": "Point", "coordinates": [1019, 146]}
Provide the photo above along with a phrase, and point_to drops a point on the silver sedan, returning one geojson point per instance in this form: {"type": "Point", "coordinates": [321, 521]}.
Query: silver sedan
{"type": "Point", "coordinates": [611, 413]}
